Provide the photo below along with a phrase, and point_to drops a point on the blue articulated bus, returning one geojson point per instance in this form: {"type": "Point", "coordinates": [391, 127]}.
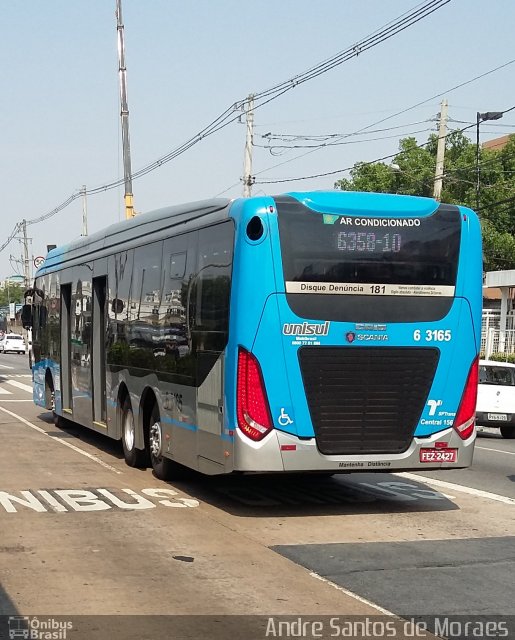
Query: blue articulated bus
{"type": "Point", "coordinates": [318, 332]}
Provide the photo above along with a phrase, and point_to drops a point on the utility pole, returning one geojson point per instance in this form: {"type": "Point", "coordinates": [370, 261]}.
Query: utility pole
{"type": "Point", "coordinates": [84, 212]}
{"type": "Point", "coordinates": [124, 114]}
{"type": "Point", "coordinates": [248, 178]}
{"type": "Point", "coordinates": [440, 151]}
{"type": "Point", "coordinates": [26, 264]}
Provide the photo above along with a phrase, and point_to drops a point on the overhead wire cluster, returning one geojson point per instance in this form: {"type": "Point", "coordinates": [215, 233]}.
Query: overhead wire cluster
{"type": "Point", "coordinates": [233, 112]}
{"type": "Point", "coordinates": [387, 157]}
{"type": "Point", "coordinates": [398, 113]}
{"type": "Point", "coordinates": [297, 141]}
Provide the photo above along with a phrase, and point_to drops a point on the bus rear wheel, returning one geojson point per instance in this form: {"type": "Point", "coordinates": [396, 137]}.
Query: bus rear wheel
{"type": "Point", "coordinates": [508, 431]}
{"type": "Point", "coordinates": [133, 457]}
{"type": "Point", "coordinates": [50, 399]}
{"type": "Point", "coordinates": [164, 468]}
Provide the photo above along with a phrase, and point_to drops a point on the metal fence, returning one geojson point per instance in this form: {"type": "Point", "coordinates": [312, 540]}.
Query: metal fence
{"type": "Point", "coordinates": [492, 339]}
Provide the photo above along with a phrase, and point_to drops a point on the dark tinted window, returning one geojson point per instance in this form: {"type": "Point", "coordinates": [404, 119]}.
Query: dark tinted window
{"type": "Point", "coordinates": [361, 269]}
{"type": "Point", "coordinates": [169, 306]}
{"type": "Point", "coordinates": [496, 375]}
{"type": "Point", "coordinates": [118, 309]}
{"type": "Point", "coordinates": [356, 249]}
{"type": "Point", "coordinates": [143, 328]}
{"type": "Point", "coordinates": [209, 303]}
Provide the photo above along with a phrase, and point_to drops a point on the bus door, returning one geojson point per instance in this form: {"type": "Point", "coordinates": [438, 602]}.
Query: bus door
{"type": "Point", "coordinates": [209, 410]}
{"type": "Point", "coordinates": [210, 331]}
{"type": "Point", "coordinates": [66, 383]}
{"type": "Point", "coordinates": [98, 354]}
{"type": "Point", "coordinates": [81, 325]}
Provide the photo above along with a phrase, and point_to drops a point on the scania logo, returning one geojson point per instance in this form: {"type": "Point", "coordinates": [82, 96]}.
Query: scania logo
{"type": "Point", "coordinates": [350, 336]}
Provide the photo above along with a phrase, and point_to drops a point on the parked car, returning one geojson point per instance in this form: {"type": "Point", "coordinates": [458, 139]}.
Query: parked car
{"type": "Point", "coordinates": [13, 342]}
{"type": "Point", "coordinates": [496, 396]}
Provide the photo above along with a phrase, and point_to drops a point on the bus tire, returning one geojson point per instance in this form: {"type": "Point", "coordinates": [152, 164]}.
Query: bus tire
{"type": "Point", "coordinates": [133, 457]}
{"type": "Point", "coordinates": [508, 431]}
{"type": "Point", "coordinates": [164, 468]}
{"type": "Point", "coordinates": [50, 401]}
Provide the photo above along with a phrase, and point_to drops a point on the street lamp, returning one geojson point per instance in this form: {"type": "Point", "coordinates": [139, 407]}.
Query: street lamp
{"type": "Point", "coordinates": [482, 117]}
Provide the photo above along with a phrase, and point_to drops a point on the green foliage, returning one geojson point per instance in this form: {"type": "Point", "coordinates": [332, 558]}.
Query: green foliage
{"type": "Point", "coordinates": [12, 293]}
{"type": "Point", "coordinates": [415, 176]}
{"type": "Point", "coordinates": [503, 357]}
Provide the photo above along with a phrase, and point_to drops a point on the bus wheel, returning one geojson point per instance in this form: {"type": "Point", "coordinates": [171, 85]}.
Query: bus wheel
{"type": "Point", "coordinates": [133, 457]}
{"type": "Point", "coordinates": [164, 468]}
{"type": "Point", "coordinates": [507, 431]}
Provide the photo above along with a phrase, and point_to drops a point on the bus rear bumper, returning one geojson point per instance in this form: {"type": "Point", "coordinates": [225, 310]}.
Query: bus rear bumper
{"type": "Point", "coordinates": [280, 451]}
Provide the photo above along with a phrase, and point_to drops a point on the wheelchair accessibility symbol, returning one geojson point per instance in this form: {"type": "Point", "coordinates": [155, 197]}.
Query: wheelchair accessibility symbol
{"type": "Point", "coordinates": [284, 419]}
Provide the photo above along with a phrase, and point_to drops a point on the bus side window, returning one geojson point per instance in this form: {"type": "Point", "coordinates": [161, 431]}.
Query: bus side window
{"type": "Point", "coordinates": [212, 294]}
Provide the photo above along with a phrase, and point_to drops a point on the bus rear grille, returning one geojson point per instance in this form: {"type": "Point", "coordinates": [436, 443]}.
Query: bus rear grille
{"type": "Point", "coordinates": [366, 400]}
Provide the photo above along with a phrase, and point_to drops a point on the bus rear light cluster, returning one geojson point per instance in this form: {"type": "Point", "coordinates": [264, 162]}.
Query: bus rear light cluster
{"type": "Point", "coordinates": [252, 408]}
{"type": "Point", "coordinates": [465, 420]}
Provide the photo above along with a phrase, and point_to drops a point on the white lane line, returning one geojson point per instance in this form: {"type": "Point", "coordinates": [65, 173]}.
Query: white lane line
{"type": "Point", "coordinates": [63, 442]}
{"type": "Point", "coordinates": [3, 390]}
{"type": "Point", "coordinates": [478, 493]}
{"type": "Point", "coordinates": [15, 375]}
{"type": "Point", "coordinates": [385, 612]}
{"type": "Point", "coordinates": [509, 453]}
{"type": "Point", "coordinates": [19, 385]}
{"type": "Point", "coordinates": [4, 366]}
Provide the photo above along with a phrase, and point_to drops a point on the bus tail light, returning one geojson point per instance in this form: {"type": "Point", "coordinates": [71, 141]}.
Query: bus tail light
{"type": "Point", "coordinates": [252, 405]}
{"type": "Point", "coordinates": [464, 422]}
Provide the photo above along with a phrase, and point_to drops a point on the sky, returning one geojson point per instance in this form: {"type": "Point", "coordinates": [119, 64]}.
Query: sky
{"type": "Point", "coordinates": [187, 62]}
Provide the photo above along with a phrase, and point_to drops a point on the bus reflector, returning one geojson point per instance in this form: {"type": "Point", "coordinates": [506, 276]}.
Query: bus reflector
{"type": "Point", "coordinates": [251, 403]}
{"type": "Point", "coordinates": [464, 422]}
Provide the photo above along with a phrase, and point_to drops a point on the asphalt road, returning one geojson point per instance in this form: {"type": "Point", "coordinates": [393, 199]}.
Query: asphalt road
{"type": "Point", "coordinates": [83, 534]}
{"type": "Point", "coordinates": [493, 468]}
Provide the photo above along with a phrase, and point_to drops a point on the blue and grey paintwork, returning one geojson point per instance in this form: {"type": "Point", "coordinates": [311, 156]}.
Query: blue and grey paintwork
{"type": "Point", "coordinates": [259, 310]}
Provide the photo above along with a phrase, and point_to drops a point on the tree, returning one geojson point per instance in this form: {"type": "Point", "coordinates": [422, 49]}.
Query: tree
{"type": "Point", "coordinates": [11, 293]}
{"type": "Point", "coordinates": [412, 172]}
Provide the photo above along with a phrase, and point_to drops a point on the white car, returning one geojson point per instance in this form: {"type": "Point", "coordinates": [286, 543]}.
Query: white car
{"type": "Point", "coordinates": [496, 396]}
{"type": "Point", "coordinates": [13, 342]}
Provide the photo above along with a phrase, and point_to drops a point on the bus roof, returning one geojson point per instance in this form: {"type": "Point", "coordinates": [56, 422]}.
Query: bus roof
{"type": "Point", "coordinates": [193, 215]}
{"type": "Point", "coordinates": [190, 216]}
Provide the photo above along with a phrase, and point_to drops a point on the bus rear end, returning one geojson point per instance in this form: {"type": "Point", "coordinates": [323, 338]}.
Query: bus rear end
{"type": "Point", "coordinates": [355, 333]}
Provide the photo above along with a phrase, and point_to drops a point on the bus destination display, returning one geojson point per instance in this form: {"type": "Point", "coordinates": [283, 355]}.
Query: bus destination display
{"type": "Point", "coordinates": [369, 242]}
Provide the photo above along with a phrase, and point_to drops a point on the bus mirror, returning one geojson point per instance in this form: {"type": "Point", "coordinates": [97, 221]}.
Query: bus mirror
{"type": "Point", "coordinates": [26, 316]}
{"type": "Point", "coordinates": [117, 306]}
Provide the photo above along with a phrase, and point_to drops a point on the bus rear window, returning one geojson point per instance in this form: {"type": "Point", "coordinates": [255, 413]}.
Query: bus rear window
{"type": "Point", "coordinates": [402, 256]}
{"type": "Point", "coordinates": [503, 376]}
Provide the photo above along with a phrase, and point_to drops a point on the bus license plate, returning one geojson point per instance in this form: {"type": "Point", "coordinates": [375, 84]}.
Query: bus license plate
{"type": "Point", "coordinates": [502, 417]}
{"type": "Point", "coordinates": [438, 455]}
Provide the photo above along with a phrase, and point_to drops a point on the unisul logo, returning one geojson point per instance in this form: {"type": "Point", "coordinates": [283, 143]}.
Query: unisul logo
{"type": "Point", "coordinates": [31, 627]}
{"type": "Point", "coordinates": [306, 329]}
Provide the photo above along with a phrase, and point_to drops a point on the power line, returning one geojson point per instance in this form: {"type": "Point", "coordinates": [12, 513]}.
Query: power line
{"type": "Point", "coordinates": [388, 157]}
{"type": "Point", "coordinates": [386, 32]}
{"type": "Point", "coordinates": [11, 236]}
{"type": "Point", "coordinates": [334, 144]}
{"type": "Point", "coordinates": [496, 204]}
{"type": "Point", "coordinates": [284, 137]}
{"type": "Point", "coordinates": [398, 113]}
{"type": "Point", "coordinates": [392, 28]}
